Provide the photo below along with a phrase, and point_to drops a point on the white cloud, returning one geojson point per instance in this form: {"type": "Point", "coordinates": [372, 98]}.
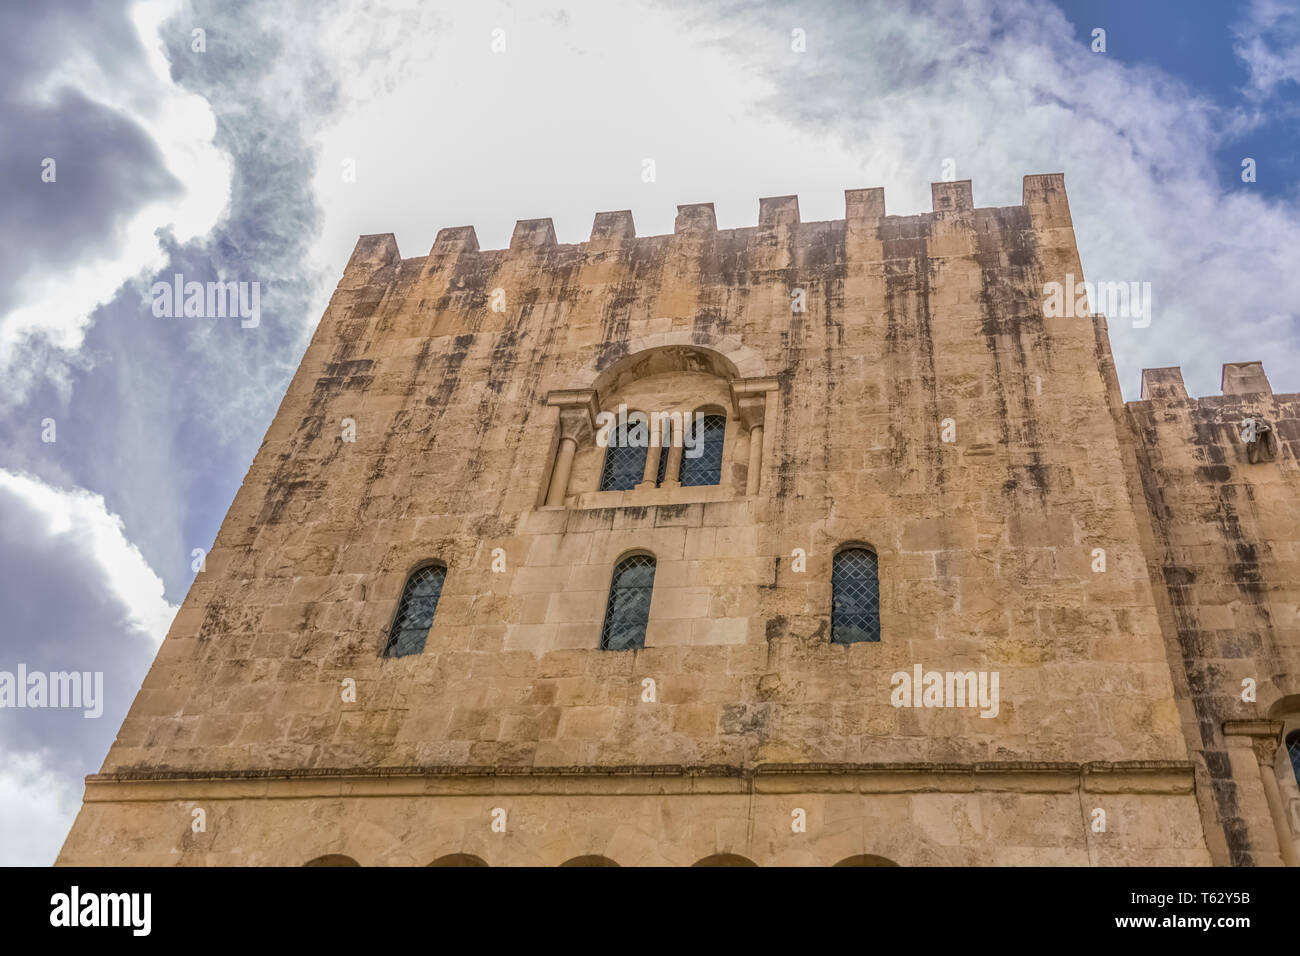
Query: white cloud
{"type": "Point", "coordinates": [57, 305]}
{"type": "Point", "coordinates": [559, 124]}
{"type": "Point", "coordinates": [1268, 42]}
{"type": "Point", "coordinates": [37, 807]}
{"type": "Point", "coordinates": [83, 519]}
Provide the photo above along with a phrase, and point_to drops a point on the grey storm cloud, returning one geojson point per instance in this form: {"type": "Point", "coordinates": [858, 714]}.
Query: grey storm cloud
{"type": "Point", "coordinates": [163, 414]}
{"type": "Point", "coordinates": [159, 416]}
{"type": "Point", "coordinates": [106, 165]}
{"type": "Point", "coordinates": [60, 615]}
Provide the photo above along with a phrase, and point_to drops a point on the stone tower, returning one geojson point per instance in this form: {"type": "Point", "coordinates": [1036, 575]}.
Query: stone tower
{"type": "Point", "coordinates": [1064, 592]}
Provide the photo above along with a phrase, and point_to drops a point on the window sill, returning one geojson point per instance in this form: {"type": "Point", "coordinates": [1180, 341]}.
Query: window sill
{"type": "Point", "coordinates": [640, 498]}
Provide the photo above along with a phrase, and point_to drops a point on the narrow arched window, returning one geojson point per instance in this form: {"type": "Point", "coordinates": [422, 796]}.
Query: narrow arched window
{"type": "Point", "coordinates": [702, 454]}
{"type": "Point", "coordinates": [625, 456]}
{"type": "Point", "coordinates": [1293, 751]}
{"type": "Point", "coordinates": [628, 609]}
{"type": "Point", "coordinates": [415, 610]}
{"type": "Point", "coordinates": [855, 597]}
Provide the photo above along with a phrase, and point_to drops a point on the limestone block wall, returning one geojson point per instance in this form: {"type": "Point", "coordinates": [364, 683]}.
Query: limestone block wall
{"type": "Point", "coordinates": [1226, 563]}
{"type": "Point", "coordinates": [464, 374]}
{"type": "Point", "coordinates": [971, 816]}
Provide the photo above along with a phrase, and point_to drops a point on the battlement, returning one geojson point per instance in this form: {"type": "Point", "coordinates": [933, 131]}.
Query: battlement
{"type": "Point", "coordinates": [1237, 378]}
{"type": "Point", "coordinates": [1043, 196]}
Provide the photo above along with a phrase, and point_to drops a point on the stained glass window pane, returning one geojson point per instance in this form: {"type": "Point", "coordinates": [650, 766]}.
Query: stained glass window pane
{"type": "Point", "coordinates": [855, 597]}
{"type": "Point", "coordinates": [415, 612]}
{"type": "Point", "coordinates": [628, 610]}
{"type": "Point", "coordinates": [708, 440]}
{"type": "Point", "coordinates": [625, 457]}
{"type": "Point", "coordinates": [1293, 751]}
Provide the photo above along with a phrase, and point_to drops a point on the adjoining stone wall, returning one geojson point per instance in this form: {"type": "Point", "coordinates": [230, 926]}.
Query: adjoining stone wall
{"type": "Point", "coordinates": [914, 328]}
{"type": "Point", "coordinates": [982, 815]}
{"type": "Point", "coordinates": [1226, 565]}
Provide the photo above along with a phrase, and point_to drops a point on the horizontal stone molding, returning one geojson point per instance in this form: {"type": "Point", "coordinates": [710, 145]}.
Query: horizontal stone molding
{"type": "Point", "coordinates": [1159, 777]}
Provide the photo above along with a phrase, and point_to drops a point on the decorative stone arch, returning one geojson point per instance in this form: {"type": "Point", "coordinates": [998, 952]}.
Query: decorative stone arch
{"type": "Point", "coordinates": [723, 356]}
{"type": "Point", "coordinates": [1274, 701]}
{"type": "Point", "coordinates": [332, 859]}
{"type": "Point", "coordinates": [1284, 706]}
{"type": "Point", "coordinates": [735, 361]}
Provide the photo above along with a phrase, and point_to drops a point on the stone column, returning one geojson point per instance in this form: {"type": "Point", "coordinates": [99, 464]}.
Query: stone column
{"type": "Point", "coordinates": [563, 468]}
{"type": "Point", "coordinates": [577, 426]}
{"type": "Point", "coordinates": [1262, 736]}
{"type": "Point", "coordinates": [672, 473]}
{"type": "Point", "coordinates": [755, 460]}
{"type": "Point", "coordinates": [749, 399]}
{"type": "Point", "coordinates": [652, 453]}
{"type": "Point", "coordinates": [1265, 753]}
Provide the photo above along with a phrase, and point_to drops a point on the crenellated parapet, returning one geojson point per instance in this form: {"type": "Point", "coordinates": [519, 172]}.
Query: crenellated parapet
{"type": "Point", "coordinates": [778, 216]}
{"type": "Point", "coordinates": [1247, 423]}
{"type": "Point", "coordinates": [1237, 379]}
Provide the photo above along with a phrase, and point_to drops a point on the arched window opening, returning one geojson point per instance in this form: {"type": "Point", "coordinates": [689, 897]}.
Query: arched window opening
{"type": "Point", "coordinates": [866, 860]}
{"type": "Point", "coordinates": [724, 859]}
{"type": "Point", "coordinates": [415, 611]}
{"type": "Point", "coordinates": [625, 457]}
{"type": "Point", "coordinates": [332, 859]}
{"type": "Point", "coordinates": [704, 442]}
{"type": "Point", "coordinates": [628, 610]}
{"type": "Point", "coordinates": [589, 861]}
{"type": "Point", "coordinates": [1293, 751]}
{"type": "Point", "coordinates": [855, 597]}
{"type": "Point", "coordinates": [459, 859]}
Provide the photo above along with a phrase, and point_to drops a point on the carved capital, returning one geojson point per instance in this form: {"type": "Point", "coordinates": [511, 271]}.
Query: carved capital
{"type": "Point", "coordinates": [1265, 748]}
{"type": "Point", "coordinates": [577, 424]}
{"type": "Point", "coordinates": [578, 408]}
{"type": "Point", "coordinates": [749, 399]}
{"type": "Point", "coordinates": [1264, 736]}
{"type": "Point", "coordinates": [751, 410]}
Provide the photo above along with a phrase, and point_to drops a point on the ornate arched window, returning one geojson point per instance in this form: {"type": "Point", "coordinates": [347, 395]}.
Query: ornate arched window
{"type": "Point", "coordinates": [625, 457]}
{"type": "Point", "coordinates": [855, 596]}
{"type": "Point", "coordinates": [705, 442]}
{"type": "Point", "coordinates": [628, 610]}
{"type": "Point", "coordinates": [415, 610]}
{"type": "Point", "coordinates": [1293, 751]}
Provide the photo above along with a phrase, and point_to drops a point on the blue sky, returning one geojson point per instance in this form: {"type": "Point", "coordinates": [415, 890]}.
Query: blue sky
{"type": "Point", "coordinates": [1199, 44]}
{"type": "Point", "coordinates": [226, 162]}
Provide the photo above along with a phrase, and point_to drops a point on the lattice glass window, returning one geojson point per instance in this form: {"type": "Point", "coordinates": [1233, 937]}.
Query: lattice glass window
{"type": "Point", "coordinates": [625, 457]}
{"type": "Point", "coordinates": [415, 611]}
{"type": "Point", "coordinates": [707, 468]}
{"type": "Point", "coordinates": [628, 610]}
{"type": "Point", "coordinates": [1293, 751]}
{"type": "Point", "coordinates": [855, 597]}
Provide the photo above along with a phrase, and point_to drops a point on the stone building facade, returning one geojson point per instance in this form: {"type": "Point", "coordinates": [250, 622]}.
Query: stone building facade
{"type": "Point", "coordinates": [1123, 579]}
